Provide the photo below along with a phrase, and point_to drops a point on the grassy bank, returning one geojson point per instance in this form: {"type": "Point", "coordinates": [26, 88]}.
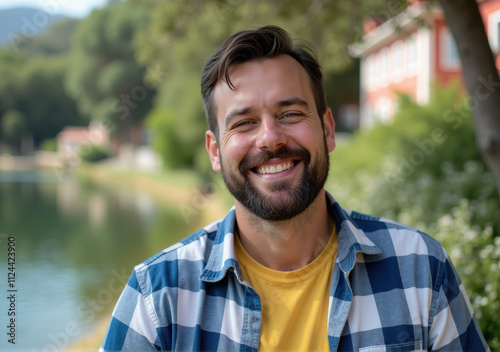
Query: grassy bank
{"type": "Point", "coordinates": [183, 186]}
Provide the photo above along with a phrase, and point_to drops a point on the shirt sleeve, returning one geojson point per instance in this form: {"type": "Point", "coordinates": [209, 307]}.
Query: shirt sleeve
{"type": "Point", "coordinates": [132, 326]}
{"type": "Point", "coordinates": [453, 325]}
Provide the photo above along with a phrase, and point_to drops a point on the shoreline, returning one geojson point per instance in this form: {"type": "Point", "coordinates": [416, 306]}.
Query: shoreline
{"type": "Point", "coordinates": [183, 188]}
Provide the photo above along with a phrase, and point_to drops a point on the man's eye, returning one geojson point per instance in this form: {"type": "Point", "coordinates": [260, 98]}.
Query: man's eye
{"type": "Point", "coordinates": [292, 116]}
{"type": "Point", "coordinates": [242, 124]}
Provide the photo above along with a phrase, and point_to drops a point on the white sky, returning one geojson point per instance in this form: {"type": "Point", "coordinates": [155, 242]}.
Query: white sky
{"type": "Point", "coordinates": [78, 8]}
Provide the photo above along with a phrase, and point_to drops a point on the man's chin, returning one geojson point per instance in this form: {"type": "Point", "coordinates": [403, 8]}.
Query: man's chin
{"type": "Point", "coordinates": [277, 205]}
{"type": "Point", "coordinates": [278, 189]}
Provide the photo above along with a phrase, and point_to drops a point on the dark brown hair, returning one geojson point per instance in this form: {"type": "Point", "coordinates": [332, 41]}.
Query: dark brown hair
{"type": "Point", "coordinates": [264, 42]}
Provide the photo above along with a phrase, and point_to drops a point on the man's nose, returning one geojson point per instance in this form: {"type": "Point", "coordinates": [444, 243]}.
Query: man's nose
{"type": "Point", "coordinates": [270, 135]}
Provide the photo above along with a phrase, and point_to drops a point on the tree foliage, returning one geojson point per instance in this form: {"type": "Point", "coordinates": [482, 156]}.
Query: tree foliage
{"type": "Point", "coordinates": [35, 89]}
{"type": "Point", "coordinates": [329, 26]}
{"type": "Point", "coordinates": [32, 86]}
{"type": "Point", "coordinates": [13, 125]}
{"type": "Point", "coordinates": [105, 78]}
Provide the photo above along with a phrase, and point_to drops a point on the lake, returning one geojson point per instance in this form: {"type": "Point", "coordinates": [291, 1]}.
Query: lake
{"type": "Point", "coordinates": [75, 244]}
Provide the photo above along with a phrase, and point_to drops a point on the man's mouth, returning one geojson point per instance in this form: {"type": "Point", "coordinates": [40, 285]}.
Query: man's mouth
{"type": "Point", "coordinates": [272, 169]}
{"type": "Point", "coordinates": [269, 163]}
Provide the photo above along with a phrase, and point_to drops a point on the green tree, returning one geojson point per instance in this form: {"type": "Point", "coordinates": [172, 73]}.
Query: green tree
{"type": "Point", "coordinates": [14, 127]}
{"type": "Point", "coordinates": [330, 26]}
{"type": "Point", "coordinates": [105, 78]}
{"type": "Point", "coordinates": [35, 88]}
{"type": "Point", "coordinates": [32, 83]}
{"type": "Point", "coordinates": [43, 98]}
{"type": "Point", "coordinates": [10, 66]}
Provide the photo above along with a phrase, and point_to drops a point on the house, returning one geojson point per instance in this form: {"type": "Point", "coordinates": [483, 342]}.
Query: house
{"type": "Point", "coordinates": [72, 138]}
{"type": "Point", "coordinates": [401, 55]}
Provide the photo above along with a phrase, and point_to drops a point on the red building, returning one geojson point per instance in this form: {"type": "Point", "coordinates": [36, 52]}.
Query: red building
{"type": "Point", "coordinates": [401, 55]}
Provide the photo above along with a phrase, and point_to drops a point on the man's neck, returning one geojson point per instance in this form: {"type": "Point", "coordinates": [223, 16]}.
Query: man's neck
{"type": "Point", "coordinates": [289, 244]}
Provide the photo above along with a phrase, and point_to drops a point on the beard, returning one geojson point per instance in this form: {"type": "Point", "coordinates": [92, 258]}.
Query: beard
{"type": "Point", "coordinates": [283, 202]}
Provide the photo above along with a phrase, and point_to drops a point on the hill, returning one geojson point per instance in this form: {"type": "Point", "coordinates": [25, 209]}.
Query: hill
{"type": "Point", "coordinates": [21, 24]}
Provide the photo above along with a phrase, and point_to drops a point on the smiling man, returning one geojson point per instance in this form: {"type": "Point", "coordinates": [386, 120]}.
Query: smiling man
{"type": "Point", "coordinates": [288, 269]}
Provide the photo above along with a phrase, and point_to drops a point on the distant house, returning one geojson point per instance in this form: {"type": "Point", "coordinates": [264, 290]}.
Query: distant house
{"type": "Point", "coordinates": [72, 138]}
{"type": "Point", "coordinates": [401, 55]}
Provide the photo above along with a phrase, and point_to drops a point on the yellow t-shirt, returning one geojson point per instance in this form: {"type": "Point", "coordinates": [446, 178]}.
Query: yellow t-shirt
{"type": "Point", "coordinates": [294, 303]}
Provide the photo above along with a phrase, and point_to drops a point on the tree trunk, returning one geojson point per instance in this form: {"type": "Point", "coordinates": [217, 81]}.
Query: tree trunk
{"type": "Point", "coordinates": [480, 75]}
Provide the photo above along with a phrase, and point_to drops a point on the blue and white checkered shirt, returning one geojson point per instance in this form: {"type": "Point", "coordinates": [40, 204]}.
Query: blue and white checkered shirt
{"type": "Point", "coordinates": [393, 289]}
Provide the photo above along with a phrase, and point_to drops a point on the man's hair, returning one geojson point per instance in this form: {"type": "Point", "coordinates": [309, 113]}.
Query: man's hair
{"type": "Point", "coordinates": [261, 43]}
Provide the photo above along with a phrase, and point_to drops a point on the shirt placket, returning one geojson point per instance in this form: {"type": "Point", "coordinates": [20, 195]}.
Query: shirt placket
{"type": "Point", "coordinates": [252, 321]}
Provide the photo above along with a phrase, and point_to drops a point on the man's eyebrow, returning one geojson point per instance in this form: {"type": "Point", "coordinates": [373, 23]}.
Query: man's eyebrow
{"type": "Point", "coordinates": [236, 113]}
{"type": "Point", "coordinates": [291, 101]}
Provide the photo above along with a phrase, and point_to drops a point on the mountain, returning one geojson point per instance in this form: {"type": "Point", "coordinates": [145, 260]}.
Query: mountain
{"type": "Point", "coordinates": [21, 24]}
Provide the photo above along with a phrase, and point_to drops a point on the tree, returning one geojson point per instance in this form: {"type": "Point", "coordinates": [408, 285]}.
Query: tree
{"type": "Point", "coordinates": [43, 99]}
{"type": "Point", "coordinates": [13, 127]}
{"type": "Point", "coordinates": [35, 89]}
{"type": "Point", "coordinates": [105, 78]}
{"type": "Point", "coordinates": [32, 84]}
{"type": "Point", "coordinates": [480, 74]}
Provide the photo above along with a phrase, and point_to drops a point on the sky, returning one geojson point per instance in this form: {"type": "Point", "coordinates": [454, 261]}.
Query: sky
{"type": "Point", "coordinates": [79, 8]}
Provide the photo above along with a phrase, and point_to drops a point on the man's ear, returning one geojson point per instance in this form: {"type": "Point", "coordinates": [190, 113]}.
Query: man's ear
{"type": "Point", "coordinates": [329, 124]}
{"type": "Point", "coordinates": [213, 150]}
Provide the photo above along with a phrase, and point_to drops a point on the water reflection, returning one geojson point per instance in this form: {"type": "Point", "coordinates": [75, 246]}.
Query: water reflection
{"type": "Point", "coordinates": [77, 243]}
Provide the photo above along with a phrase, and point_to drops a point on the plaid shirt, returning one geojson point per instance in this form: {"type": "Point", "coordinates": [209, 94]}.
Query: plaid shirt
{"type": "Point", "coordinates": [393, 289]}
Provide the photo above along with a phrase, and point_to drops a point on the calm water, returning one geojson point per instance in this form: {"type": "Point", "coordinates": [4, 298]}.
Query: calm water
{"type": "Point", "coordinates": [76, 244]}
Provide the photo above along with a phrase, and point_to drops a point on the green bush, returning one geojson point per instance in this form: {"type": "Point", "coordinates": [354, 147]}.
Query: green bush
{"type": "Point", "coordinates": [476, 255]}
{"type": "Point", "coordinates": [424, 170]}
{"type": "Point", "coordinates": [93, 153]}
{"type": "Point", "coordinates": [49, 145]}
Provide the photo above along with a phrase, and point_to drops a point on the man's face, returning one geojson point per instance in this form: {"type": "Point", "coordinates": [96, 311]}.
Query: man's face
{"type": "Point", "coordinates": [272, 150]}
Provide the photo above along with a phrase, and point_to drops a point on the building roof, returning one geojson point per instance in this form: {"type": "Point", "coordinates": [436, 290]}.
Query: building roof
{"type": "Point", "coordinates": [391, 29]}
{"type": "Point", "coordinates": [74, 134]}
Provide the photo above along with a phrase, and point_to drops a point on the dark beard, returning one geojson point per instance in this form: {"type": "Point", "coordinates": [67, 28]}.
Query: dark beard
{"type": "Point", "coordinates": [292, 201]}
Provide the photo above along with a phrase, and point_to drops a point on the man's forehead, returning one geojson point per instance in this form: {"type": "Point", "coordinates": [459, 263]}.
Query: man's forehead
{"type": "Point", "coordinates": [280, 62]}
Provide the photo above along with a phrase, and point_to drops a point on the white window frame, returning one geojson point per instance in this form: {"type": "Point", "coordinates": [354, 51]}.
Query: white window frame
{"type": "Point", "coordinates": [397, 61]}
{"type": "Point", "coordinates": [383, 66]}
{"type": "Point", "coordinates": [494, 30]}
{"type": "Point", "coordinates": [447, 47]}
{"type": "Point", "coordinates": [411, 56]}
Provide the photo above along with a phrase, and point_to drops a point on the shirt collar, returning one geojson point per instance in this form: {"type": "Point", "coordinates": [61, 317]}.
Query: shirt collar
{"type": "Point", "coordinates": [222, 255]}
{"type": "Point", "coordinates": [351, 240]}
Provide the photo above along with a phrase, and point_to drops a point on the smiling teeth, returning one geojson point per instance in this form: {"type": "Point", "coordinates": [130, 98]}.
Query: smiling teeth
{"type": "Point", "coordinates": [274, 169]}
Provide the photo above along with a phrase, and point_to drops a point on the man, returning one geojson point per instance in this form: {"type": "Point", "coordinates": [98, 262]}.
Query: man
{"type": "Point", "coordinates": [288, 269]}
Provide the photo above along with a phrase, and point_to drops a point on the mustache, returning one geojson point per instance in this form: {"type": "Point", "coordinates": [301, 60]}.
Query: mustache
{"type": "Point", "coordinates": [249, 162]}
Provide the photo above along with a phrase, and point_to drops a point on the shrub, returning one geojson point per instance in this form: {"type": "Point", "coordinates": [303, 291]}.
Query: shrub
{"type": "Point", "coordinates": [49, 145]}
{"type": "Point", "coordinates": [93, 153]}
{"type": "Point", "coordinates": [476, 255]}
